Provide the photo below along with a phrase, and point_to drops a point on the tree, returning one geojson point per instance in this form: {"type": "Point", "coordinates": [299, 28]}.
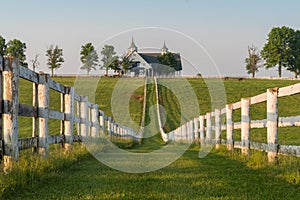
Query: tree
{"type": "Point", "coordinates": [127, 63]}
{"type": "Point", "coordinates": [168, 59]}
{"type": "Point", "coordinates": [35, 62]}
{"type": "Point", "coordinates": [108, 52]}
{"type": "Point", "coordinates": [55, 58]}
{"type": "Point", "coordinates": [2, 46]}
{"type": "Point", "coordinates": [89, 57]}
{"type": "Point", "coordinates": [253, 60]}
{"type": "Point", "coordinates": [294, 60]}
{"type": "Point", "coordinates": [115, 64]}
{"type": "Point", "coordinates": [16, 48]}
{"type": "Point", "coordinates": [277, 50]}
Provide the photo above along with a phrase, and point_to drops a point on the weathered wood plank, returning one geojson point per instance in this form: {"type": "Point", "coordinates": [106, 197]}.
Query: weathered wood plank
{"type": "Point", "coordinates": [229, 126]}
{"type": "Point", "coordinates": [54, 114]}
{"type": "Point", "coordinates": [223, 127]}
{"type": "Point", "coordinates": [43, 102]}
{"type": "Point", "coordinates": [237, 125]}
{"type": "Point", "coordinates": [218, 126]}
{"type": "Point", "coordinates": [27, 143]}
{"type": "Point", "coordinates": [68, 124]}
{"type": "Point", "coordinates": [35, 119]}
{"type": "Point", "coordinates": [77, 138]}
{"type": "Point", "coordinates": [77, 119]}
{"type": "Point", "coordinates": [89, 104]}
{"type": "Point", "coordinates": [1, 106]}
{"type": "Point", "coordinates": [28, 74]}
{"type": "Point", "coordinates": [27, 111]}
{"type": "Point", "coordinates": [56, 139]}
{"type": "Point", "coordinates": [57, 86]}
{"type": "Point", "coordinates": [289, 90]}
{"type": "Point", "coordinates": [289, 121]}
{"type": "Point", "coordinates": [223, 111]}
{"type": "Point", "coordinates": [258, 123]}
{"type": "Point", "coordinates": [289, 150]}
{"type": "Point", "coordinates": [236, 105]}
{"type": "Point", "coordinates": [258, 98]}
{"type": "Point", "coordinates": [84, 129]}
{"type": "Point", "coordinates": [202, 128]}
{"type": "Point", "coordinates": [259, 146]}
{"type": "Point", "coordinates": [272, 125]}
{"type": "Point", "coordinates": [208, 127]}
{"type": "Point", "coordinates": [1, 63]}
{"type": "Point", "coordinates": [77, 97]}
{"type": "Point", "coordinates": [10, 119]}
{"type": "Point", "coordinates": [245, 130]}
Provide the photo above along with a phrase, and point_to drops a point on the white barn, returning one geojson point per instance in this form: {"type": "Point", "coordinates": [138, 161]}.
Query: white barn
{"type": "Point", "coordinates": [147, 63]}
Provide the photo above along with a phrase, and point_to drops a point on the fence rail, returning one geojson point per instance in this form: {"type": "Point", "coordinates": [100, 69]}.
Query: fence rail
{"type": "Point", "coordinates": [88, 118]}
{"type": "Point", "coordinates": [202, 128]}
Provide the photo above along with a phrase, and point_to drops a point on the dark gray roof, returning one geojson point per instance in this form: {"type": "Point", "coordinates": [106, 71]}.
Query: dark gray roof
{"type": "Point", "coordinates": [152, 58]}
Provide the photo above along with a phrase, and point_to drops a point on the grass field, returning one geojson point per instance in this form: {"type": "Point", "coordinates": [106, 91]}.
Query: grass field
{"type": "Point", "coordinates": [235, 90]}
{"type": "Point", "coordinates": [220, 175]}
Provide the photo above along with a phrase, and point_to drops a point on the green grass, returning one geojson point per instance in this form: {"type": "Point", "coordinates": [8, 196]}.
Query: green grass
{"type": "Point", "coordinates": [235, 90]}
{"type": "Point", "coordinates": [152, 139]}
{"type": "Point", "coordinates": [220, 175]}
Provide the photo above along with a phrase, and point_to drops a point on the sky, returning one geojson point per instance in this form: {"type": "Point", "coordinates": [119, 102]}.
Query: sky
{"type": "Point", "coordinates": [211, 35]}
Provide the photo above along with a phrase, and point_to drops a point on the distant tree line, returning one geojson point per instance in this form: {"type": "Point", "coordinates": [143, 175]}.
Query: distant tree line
{"type": "Point", "coordinates": [88, 57]}
{"type": "Point", "coordinates": [14, 48]}
{"type": "Point", "coordinates": [282, 50]}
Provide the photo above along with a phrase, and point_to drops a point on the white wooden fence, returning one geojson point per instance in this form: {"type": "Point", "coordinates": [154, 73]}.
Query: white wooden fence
{"type": "Point", "coordinates": [88, 118]}
{"type": "Point", "coordinates": [202, 128]}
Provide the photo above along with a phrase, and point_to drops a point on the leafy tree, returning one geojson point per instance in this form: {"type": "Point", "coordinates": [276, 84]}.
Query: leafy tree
{"type": "Point", "coordinates": [277, 51]}
{"type": "Point", "coordinates": [115, 64]}
{"type": "Point", "coordinates": [55, 58]}
{"type": "Point", "coordinates": [253, 60]}
{"type": "Point", "coordinates": [168, 59]}
{"type": "Point", "coordinates": [294, 60]}
{"type": "Point", "coordinates": [127, 63]}
{"type": "Point", "coordinates": [2, 46]}
{"type": "Point", "coordinates": [109, 58]}
{"type": "Point", "coordinates": [89, 57]}
{"type": "Point", "coordinates": [16, 48]}
{"type": "Point", "coordinates": [35, 62]}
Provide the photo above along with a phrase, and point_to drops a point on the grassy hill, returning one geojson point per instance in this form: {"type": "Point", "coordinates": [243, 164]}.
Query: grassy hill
{"type": "Point", "coordinates": [220, 175]}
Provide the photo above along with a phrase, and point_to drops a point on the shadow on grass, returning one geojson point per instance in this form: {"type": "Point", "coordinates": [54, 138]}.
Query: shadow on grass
{"type": "Point", "coordinates": [220, 175]}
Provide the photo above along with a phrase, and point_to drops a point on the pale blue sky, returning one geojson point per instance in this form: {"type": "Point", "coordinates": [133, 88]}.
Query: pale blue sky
{"type": "Point", "coordinates": [224, 28]}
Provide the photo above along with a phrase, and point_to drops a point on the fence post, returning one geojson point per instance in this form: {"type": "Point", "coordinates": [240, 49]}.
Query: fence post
{"type": "Point", "coordinates": [1, 106]}
{"type": "Point", "coordinates": [218, 127]}
{"type": "Point", "coordinates": [272, 124]}
{"type": "Point", "coordinates": [62, 109]}
{"type": "Point", "coordinates": [183, 132]}
{"type": "Point", "coordinates": [35, 119]}
{"type": "Point", "coordinates": [187, 131]}
{"type": "Point", "coordinates": [95, 113]}
{"type": "Point", "coordinates": [109, 127]}
{"type": "Point", "coordinates": [202, 128]}
{"type": "Point", "coordinates": [43, 102]}
{"type": "Point", "coordinates": [10, 114]}
{"type": "Point", "coordinates": [84, 129]}
{"type": "Point", "coordinates": [208, 128]}
{"type": "Point", "coordinates": [229, 127]}
{"type": "Point", "coordinates": [78, 110]}
{"type": "Point", "coordinates": [245, 132]}
{"type": "Point", "coordinates": [192, 131]}
{"type": "Point", "coordinates": [175, 134]}
{"type": "Point", "coordinates": [196, 129]}
{"type": "Point", "coordinates": [68, 123]}
{"type": "Point", "coordinates": [101, 119]}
